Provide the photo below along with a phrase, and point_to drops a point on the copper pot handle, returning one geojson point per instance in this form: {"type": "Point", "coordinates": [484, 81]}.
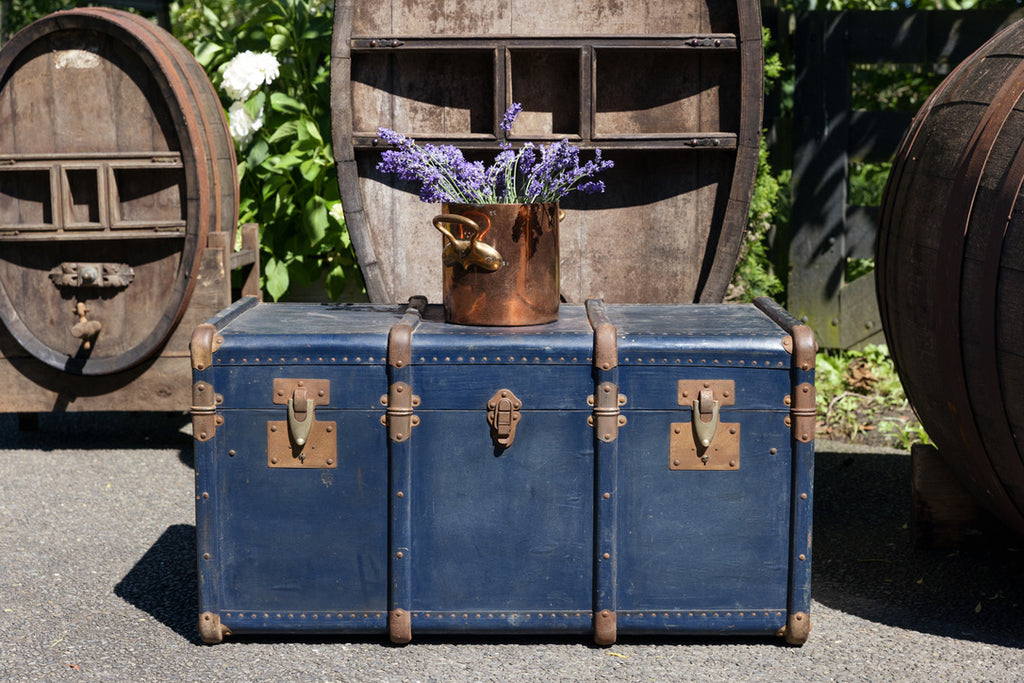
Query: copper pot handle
{"type": "Point", "coordinates": [466, 252]}
{"type": "Point", "coordinates": [561, 215]}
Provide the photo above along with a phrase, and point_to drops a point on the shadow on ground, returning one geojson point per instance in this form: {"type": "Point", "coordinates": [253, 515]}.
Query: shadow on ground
{"type": "Point", "coordinates": [163, 582]}
{"type": "Point", "coordinates": [99, 430]}
{"type": "Point", "coordinates": [866, 562]}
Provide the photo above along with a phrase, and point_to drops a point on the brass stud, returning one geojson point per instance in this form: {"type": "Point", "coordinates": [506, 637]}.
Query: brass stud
{"type": "Point", "coordinates": [330, 428]}
{"type": "Point", "coordinates": [400, 494]}
{"type": "Point", "coordinates": [329, 461]}
{"type": "Point", "coordinates": [399, 554]}
{"type": "Point", "coordinates": [206, 496]}
{"type": "Point", "coordinates": [273, 428]}
{"type": "Point", "coordinates": [608, 495]}
{"type": "Point", "coordinates": [273, 461]}
{"type": "Point", "coordinates": [206, 556]}
{"type": "Point", "coordinates": [732, 463]}
{"type": "Point", "coordinates": [802, 557]}
{"type": "Point", "coordinates": [774, 451]}
{"type": "Point", "coordinates": [232, 453]}
{"type": "Point", "coordinates": [803, 496]}
{"type": "Point", "coordinates": [606, 556]}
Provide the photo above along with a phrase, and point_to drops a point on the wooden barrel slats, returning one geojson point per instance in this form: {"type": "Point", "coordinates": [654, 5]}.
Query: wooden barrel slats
{"type": "Point", "coordinates": [672, 93]}
{"type": "Point", "coordinates": [950, 271]}
{"type": "Point", "coordinates": [115, 161]}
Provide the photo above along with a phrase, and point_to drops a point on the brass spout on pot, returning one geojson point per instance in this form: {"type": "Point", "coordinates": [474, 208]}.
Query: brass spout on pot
{"type": "Point", "coordinates": [466, 252]}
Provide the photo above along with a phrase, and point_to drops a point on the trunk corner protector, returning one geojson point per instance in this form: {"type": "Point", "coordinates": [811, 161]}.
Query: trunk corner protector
{"type": "Point", "coordinates": [797, 629]}
{"type": "Point", "coordinates": [205, 342]}
{"type": "Point", "coordinates": [805, 348]}
{"type": "Point", "coordinates": [400, 336]}
{"type": "Point", "coordinates": [400, 626]}
{"type": "Point", "coordinates": [604, 628]}
{"type": "Point", "coordinates": [211, 630]}
{"type": "Point", "coordinates": [606, 346]}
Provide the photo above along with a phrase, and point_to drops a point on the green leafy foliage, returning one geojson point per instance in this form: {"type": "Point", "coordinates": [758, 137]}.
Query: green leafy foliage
{"type": "Point", "coordinates": [754, 275]}
{"type": "Point", "coordinates": [860, 398]}
{"type": "Point", "coordinates": [288, 180]}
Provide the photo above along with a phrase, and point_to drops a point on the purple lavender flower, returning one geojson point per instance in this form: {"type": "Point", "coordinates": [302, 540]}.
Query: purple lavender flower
{"type": "Point", "coordinates": [510, 116]}
{"type": "Point", "coordinates": [533, 174]}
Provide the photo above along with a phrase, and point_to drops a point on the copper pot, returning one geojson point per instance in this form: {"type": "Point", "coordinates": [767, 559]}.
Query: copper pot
{"type": "Point", "coordinates": [500, 263]}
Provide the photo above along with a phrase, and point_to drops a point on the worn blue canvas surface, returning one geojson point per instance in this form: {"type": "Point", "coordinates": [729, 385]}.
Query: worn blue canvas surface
{"type": "Point", "coordinates": [572, 527]}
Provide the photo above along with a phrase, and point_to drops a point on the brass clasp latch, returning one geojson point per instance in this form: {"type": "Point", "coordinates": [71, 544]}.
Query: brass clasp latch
{"type": "Point", "coordinates": [503, 415]}
{"type": "Point", "coordinates": [704, 429]}
{"type": "Point", "coordinates": [706, 443]}
{"type": "Point", "coordinates": [301, 410]}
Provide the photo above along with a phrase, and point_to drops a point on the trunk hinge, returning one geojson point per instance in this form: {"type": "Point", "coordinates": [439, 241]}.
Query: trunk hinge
{"type": "Point", "coordinates": [400, 400]}
{"type": "Point", "coordinates": [399, 418]}
{"type": "Point", "coordinates": [803, 412]}
{"type": "Point", "coordinates": [607, 419]}
{"type": "Point", "coordinates": [803, 409]}
{"type": "Point", "coordinates": [205, 419]}
{"type": "Point", "coordinates": [606, 399]}
{"type": "Point", "coordinates": [803, 349]}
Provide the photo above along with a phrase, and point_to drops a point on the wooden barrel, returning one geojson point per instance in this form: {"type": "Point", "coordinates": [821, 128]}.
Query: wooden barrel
{"type": "Point", "coordinates": [116, 166]}
{"type": "Point", "coordinates": [950, 271]}
{"type": "Point", "coordinates": [670, 91]}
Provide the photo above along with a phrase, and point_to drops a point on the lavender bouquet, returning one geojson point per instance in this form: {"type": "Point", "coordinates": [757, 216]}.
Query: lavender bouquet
{"type": "Point", "coordinates": [531, 175]}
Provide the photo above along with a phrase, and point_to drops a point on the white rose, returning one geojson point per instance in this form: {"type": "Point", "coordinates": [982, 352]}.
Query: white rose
{"type": "Point", "coordinates": [247, 71]}
{"type": "Point", "coordinates": [337, 213]}
{"type": "Point", "coordinates": [241, 125]}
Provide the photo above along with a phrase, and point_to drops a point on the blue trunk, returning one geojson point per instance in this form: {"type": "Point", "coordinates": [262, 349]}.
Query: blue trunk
{"type": "Point", "coordinates": [370, 469]}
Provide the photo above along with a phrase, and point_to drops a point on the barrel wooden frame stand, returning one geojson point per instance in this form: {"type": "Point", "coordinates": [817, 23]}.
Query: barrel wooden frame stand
{"type": "Point", "coordinates": [162, 383]}
{"type": "Point", "coordinates": [670, 92]}
{"type": "Point", "coordinates": [118, 215]}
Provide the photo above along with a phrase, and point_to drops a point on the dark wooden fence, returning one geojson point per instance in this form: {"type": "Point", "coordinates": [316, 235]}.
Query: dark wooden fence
{"type": "Point", "coordinates": [828, 134]}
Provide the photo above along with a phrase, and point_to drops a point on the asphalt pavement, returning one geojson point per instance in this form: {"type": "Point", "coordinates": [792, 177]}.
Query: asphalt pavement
{"type": "Point", "coordinates": [98, 581]}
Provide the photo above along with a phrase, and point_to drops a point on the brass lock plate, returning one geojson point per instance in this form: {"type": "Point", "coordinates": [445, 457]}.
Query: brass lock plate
{"type": "Point", "coordinates": [302, 441]}
{"type": "Point", "coordinates": [723, 390]}
{"type": "Point", "coordinates": [723, 453]}
{"type": "Point", "coordinates": [319, 452]}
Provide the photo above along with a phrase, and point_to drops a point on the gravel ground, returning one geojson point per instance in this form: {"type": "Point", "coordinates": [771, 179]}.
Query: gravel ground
{"type": "Point", "coordinates": [97, 581]}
